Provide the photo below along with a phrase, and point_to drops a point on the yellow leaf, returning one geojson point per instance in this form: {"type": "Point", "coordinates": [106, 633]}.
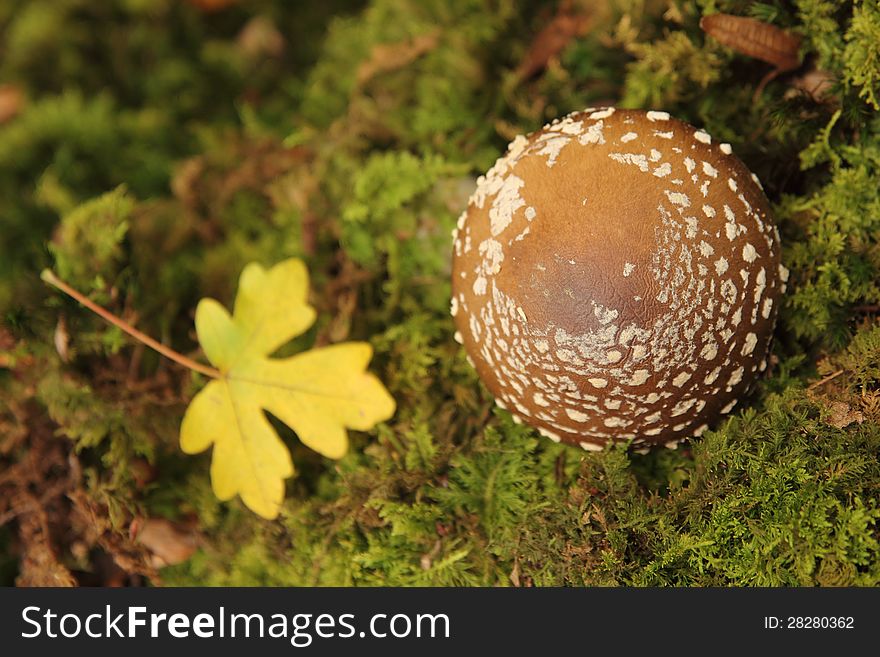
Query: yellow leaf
{"type": "Point", "coordinates": [318, 393]}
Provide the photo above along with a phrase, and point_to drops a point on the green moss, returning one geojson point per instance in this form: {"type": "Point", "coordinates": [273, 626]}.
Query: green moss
{"type": "Point", "coordinates": [359, 159]}
{"type": "Point", "coordinates": [87, 247]}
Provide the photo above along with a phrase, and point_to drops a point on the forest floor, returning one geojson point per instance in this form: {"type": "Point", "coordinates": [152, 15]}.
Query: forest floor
{"type": "Point", "coordinates": [150, 149]}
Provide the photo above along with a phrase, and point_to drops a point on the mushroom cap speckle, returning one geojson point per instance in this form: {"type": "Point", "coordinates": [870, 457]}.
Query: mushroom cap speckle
{"type": "Point", "coordinates": [616, 276]}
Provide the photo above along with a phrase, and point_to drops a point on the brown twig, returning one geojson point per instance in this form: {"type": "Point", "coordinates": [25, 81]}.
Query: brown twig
{"type": "Point", "coordinates": [169, 353]}
{"type": "Point", "coordinates": [822, 382]}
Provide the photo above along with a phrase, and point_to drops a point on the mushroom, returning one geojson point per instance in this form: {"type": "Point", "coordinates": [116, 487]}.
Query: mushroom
{"type": "Point", "coordinates": [616, 276]}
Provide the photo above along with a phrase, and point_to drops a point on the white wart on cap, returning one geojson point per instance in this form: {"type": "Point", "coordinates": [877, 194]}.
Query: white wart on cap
{"type": "Point", "coordinates": [616, 276]}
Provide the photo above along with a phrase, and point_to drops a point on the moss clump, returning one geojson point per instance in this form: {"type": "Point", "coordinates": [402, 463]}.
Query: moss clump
{"type": "Point", "coordinates": [356, 151]}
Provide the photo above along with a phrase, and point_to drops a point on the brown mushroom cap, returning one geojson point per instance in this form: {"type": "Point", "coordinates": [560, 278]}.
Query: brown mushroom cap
{"type": "Point", "coordinates": [616, 276]}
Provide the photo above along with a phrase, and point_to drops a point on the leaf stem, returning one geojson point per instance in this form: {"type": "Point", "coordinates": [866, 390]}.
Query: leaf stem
{"type": "Point", "coordinates": [50, 278]}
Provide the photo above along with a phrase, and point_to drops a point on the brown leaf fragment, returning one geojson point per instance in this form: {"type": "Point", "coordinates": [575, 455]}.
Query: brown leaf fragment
{"type": "Point", "coordinates": [388, 57]}
{"type": "Point", "coordinates": [61, 339]}
{"type": "Point", "coordinates": [754, 38]}
{"type": "Point", "coordinates": [819, 86]}
{"type": "Point", "coordinates": [260, 38]}
{"type": "Point", "coordinates": [11, 102]}
{"type": "Point", "coordinates": [842, 415]}
{"type": "Point", "coordinates": [427, 559]}
{"type": "Point", "coordinates": [171, 543]}
{"type": "Point", "coordinates": [7, 341]}
{"type": "Point", "coordinates": [567, 25]}
{"type": "Point", "coordinates": [7, 344]}
{"type": "Point", "coordinates": [514, 575]}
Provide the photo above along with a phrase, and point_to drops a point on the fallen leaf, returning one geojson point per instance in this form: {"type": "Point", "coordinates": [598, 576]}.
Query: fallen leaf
{"type": "Point", "coordinates": [566, 26]}
{"type": "Point", "coordinates": [514, 575]}
{"type": "Point", "coordinates": [819, 86]}
{"type": "Point", "coordinates": [62, 339]}
{"type": "Point", "coordinates": [842, 415]}
{"type": "Point", "coordinates": [7, 343]}
{"type": "Point", "coordinates": [317, 393]}
{"type": "Point", "coordinates": [170, 543]}
{"type": "Point", "coordinates": [755, 38]}
{"type": "Point", "coordinates": [11, 102]}
{"type": "Point", "coordinates": [260, 38]}
{"type": "Point", "coordinates": [392, 56]}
